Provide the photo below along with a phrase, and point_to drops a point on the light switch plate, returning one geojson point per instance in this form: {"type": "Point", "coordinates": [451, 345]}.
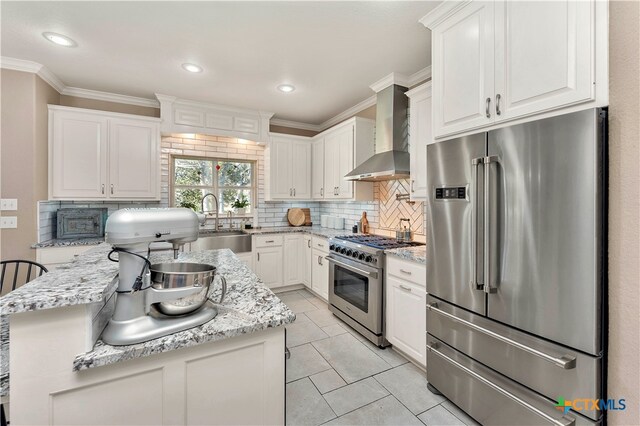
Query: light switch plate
{"type": "Point", "coordinates": [9, 204]}
{"type": "Point", "coordinates": [7, 222]}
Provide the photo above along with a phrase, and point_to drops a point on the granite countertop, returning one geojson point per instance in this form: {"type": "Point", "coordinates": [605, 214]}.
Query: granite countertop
{"type": "Point", "coordinates": [313, 230]}
{"type": "Point", "coordinates": [88, 278]}
{"type": "Point", "coordinates": [415, 254]}
{"type": "Point", "coordinates": [69, 242]}
{"type": "Point", "coordinates": [249, 306]}
{"type": "Point", "coordinates": [4, 355]}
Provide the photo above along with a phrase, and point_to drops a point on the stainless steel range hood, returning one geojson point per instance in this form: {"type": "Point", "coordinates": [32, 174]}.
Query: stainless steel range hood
{"type": "Point", "coordinates": [391, 158]}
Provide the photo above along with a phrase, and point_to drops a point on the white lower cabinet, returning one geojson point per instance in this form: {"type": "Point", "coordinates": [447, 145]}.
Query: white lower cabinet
{"type": "Point", "coordinates": [293, 258]}
{"type": "Point", "coordinates": [52, 257]}
{"type": "Point", "coordinates": [267, 263]}
{"type": "Point", "coordinates": [406, 323]}
{"type": "Point", "coordinates": [247, 258]}
{"type": "Point", "coordinates": [306, 260]}
{"type": "Point", "coordinates": [320, 273]}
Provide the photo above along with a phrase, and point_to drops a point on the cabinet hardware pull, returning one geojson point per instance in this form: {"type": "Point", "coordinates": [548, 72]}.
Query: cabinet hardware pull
{"type": "Point", "coordinates": [412, 182]}
{"type": "Point", "coordinates": [488, 113]}
{"type": "Point", "coordinates": [320, 245]}
{"type": "Point", "coordinates": [290, 192]}
{"type": "Point", "coordinates": [102, 190]}
{"type": "Point", "coordinates": [258, 256]}
{"type": "Point", "coordinates": [111, 189]}
{"type": "Point", "coordinates": [309, 243]}
{"type": "Point", "coordinates": [270, 241]}
{"type": "Point", "coordinates": [498, 97]}
{"type": "Point", "coordinates": [405, 288]}
{"type": "Point", "coordinates": [322, 192]}
{"type": "Point", "coordinates": [405, 272]}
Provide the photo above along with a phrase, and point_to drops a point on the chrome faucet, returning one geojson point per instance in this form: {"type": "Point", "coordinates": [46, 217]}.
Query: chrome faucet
{"type": "Point", "coordinates": [217, 207]}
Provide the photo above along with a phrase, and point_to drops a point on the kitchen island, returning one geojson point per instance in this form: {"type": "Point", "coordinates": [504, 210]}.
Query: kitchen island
{"type": "Point", "coordinates": [230, 370]}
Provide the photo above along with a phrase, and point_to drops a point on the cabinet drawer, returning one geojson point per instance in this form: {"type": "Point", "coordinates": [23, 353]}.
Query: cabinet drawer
{"type": "Point", "coordinates": [56, 255]}
{"type": "Point", "coordinates": [268, 240]}
{"type": "Point", "coordinates": [320, 243]}
{"type": "Point", "coordinates": [408, 271]}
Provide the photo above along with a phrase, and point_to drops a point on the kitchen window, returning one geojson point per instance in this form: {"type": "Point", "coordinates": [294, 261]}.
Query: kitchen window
{"type": "Point", "coordinates": [229, 180]}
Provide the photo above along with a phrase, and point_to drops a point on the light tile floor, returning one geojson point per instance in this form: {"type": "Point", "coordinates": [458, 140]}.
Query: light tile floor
{"type": "Point", "coordinates": [337, 377]}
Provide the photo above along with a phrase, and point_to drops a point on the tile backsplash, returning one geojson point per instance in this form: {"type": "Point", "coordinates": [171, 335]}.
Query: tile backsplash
{"type": "Point", "coordinates": [383, 213]}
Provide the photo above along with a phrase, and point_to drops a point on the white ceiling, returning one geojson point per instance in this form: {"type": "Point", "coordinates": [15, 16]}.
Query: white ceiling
{"type": "Point", "coordinates": [331, 51]}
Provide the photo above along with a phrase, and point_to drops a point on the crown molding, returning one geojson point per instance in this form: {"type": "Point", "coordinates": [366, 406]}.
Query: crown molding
{"type": "Point", "coordinates": [442, 12]}
{"type": "Point", "coordinates": [370, 101]}
{"type": "Point", "coordinates": [51, 79]}
{"type": "Point", "coordinates": [393, 78]}
{"type": "Point", "coordinates": [420, 76]}
{"type": "Point", "coordinates": [19, 65]}
{"type": "Point", "coordinates": [296, 125]}
{"type": "Point", "coordinates": [109, 97]}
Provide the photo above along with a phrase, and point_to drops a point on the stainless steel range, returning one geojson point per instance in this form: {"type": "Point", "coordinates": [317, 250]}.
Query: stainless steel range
{"type": "Point", "coordinates": [356, 282]}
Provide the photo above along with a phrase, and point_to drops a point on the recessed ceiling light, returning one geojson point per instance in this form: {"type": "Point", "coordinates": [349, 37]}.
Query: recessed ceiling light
{"type": "Point", "coordinates": [286, 88]}
{"type": "Point", "coordinates": [59, 39]}
{"type": "Point", "coordinates": [192, 67]}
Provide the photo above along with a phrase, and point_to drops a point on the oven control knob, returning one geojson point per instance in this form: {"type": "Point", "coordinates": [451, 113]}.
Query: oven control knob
{"type": "Point", "coordinates": [343, 250]}
{"type": "Point", "coordinates": [349, 252]}
{"type": "Point", "coordinates": [332, 247]}
{"type": "Point", "coordinates": [361, 256]}
{"type": "Point", "coordinates": [368, 259]}
{"type": "Point", "coordinates": [355, 254]}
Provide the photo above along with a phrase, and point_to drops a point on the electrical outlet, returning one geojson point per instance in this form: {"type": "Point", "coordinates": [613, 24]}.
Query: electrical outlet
{"type": "Point", "coordinates": [7, 222]}
{"type": "Point", "coordinates": [9, 204]}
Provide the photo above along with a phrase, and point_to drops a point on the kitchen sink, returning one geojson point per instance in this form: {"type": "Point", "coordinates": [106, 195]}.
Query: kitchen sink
{"type": "Point", "coordinates": [236, 241]}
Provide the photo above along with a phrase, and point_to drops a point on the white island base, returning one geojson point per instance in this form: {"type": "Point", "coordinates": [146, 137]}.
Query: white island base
{"type": "Point", "coordinates": [239, 380]}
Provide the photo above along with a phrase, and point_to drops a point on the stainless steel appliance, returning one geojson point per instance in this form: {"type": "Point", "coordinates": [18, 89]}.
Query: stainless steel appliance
{"type": "Point", "coordinates": [136, 318]}
{"type": "Point", "coordinates": [356, 282]}
{"type": "Point", "coordinates": [516, 271]}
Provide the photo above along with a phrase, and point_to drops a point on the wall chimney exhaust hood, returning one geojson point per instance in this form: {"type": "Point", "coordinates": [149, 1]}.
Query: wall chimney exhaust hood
{"type": "Point", "coordinates": [391, 158]}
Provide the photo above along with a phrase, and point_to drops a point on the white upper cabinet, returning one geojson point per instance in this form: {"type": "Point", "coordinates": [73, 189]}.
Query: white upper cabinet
{"type": "Point", "coordinates": [496, 62]}
{"type": "Point", "coordinates": [343, 147]}
{"type": "Point", "coordinates": [462, 69]}
{"type": "Point", "coordinates": [132, 144]}
{"type": "Point", "coordinates": [96, 155]}
{"type": "Point", "coordinates": [548, 70]}
{"type": "Point", "coordinates": [317, 169]}
{"type": "Point", "coordinates": [420, 135]}
{"type": "Point", "coordinates": [288, 174]}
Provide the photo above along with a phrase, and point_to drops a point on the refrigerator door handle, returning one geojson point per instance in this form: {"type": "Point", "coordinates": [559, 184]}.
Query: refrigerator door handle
{"type": "Point", "coordinates": [489, 226]}
{"type": "Point", "coordinates": [562, 421]}
{"type": "Point", "coordinates": [566, 362]}
{"type": "Point", "coordinates": [474, 284]}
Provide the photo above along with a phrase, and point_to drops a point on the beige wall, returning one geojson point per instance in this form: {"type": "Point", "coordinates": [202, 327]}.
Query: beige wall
{"type": "Point", "coordinates": [77, 102]}
{"type": "Point", "coordinates": [23, 153]}
{"type": "Point", "coordinates": [624, 210]}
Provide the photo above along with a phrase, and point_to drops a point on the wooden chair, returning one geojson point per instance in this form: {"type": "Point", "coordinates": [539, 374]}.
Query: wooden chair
{"type": "Point", "coordinates": [33, 270]}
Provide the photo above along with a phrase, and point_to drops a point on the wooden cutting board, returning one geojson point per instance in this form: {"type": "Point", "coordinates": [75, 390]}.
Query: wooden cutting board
{"type": "Point", "coordinates": [296, 217]}
{"type": "Point", "coordinates": [307, 217]}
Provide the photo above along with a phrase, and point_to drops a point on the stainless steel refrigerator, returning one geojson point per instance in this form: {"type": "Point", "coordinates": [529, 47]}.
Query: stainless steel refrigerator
{"type": "Point", "coordinates": [516, 270]}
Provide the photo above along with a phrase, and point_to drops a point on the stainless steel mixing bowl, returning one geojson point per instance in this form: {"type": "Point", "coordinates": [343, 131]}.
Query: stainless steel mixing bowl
{"type": "Point", "coordinates": [183, 275]}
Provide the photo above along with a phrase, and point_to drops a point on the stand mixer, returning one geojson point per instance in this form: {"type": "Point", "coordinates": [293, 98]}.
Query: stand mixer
{"type": "Point", "coordinates": [135, 319]}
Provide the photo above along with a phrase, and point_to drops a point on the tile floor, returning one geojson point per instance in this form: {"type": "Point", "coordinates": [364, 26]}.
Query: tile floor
{"type": "Point", "coordinates": [337, 377]}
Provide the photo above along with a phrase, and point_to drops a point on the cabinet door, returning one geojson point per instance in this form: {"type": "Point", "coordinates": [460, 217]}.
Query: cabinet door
{"type": "Point", "coordinates": [543, 67]}
{"type": "Point", "coordinates": [134, 159]}
{"type": "Point", "coordinates": [78, 155]}
{"type": "Point", "coordinates": [331, 165]}
{"type": "Point", "coordinates": [301, 167]}
{"type": "Point", "coordinates": [306, 260]}
{"type": "Point", "coordinates": [268, 266]}
{"type": "Point", "coordinates": [406, 318]}
{"type": "Point", "coordinates": [420, 135]}
{"type": "Point", "coordinates": [463, 70]}
{"type": "Point", "coordinates": [292, 259]}
{"type": "Point", "coordinates": [280, 164]}
{"type": "Point", "coordinates": [320, 274]}
{"type": "Point", "coordinates": [345, 165]}
{"type": "Point", "coordinates": [317, 169]}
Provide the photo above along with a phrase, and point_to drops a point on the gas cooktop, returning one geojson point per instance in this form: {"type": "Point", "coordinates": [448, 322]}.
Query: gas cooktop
{"type": "Point", "coordinates": [377, 241]}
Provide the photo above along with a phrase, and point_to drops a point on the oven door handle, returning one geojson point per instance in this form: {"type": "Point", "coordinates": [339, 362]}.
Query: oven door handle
{"type": "Point", "coordinates": [353, 268]}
